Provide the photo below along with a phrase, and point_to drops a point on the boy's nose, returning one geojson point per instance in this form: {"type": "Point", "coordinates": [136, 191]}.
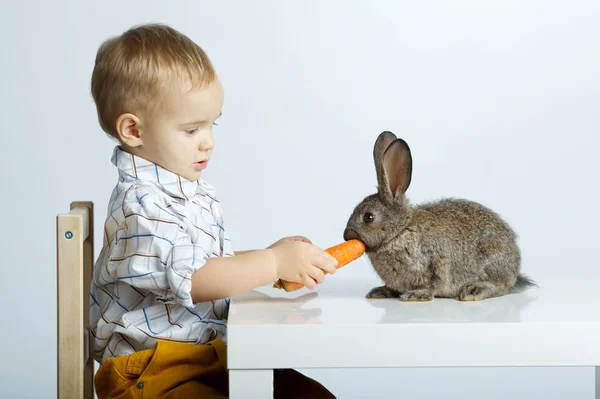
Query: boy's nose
{"type": "Point", "coordinates": [207, 144]}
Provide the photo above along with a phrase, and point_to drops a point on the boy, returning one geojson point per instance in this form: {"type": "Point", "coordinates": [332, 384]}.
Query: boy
{"type": "Point", "coordinates": [167, 268]}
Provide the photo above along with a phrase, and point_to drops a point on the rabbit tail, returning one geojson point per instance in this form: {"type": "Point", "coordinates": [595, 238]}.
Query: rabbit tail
{"type": "Point", "coordinates": [523, 282]}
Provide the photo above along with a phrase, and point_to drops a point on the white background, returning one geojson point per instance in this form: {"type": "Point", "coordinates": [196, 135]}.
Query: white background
{"type": "Point", "coordinates": [498, 100]}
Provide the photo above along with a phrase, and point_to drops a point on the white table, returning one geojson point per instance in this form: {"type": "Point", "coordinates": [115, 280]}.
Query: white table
{"type": "Point", "coordinates": [557, 324]}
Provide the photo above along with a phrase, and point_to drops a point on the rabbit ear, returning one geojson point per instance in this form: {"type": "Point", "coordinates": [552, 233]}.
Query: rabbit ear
{"type": "Point", "coordinates": [397, 167]}
{"type": "Point", "coordinates": [381, 144]}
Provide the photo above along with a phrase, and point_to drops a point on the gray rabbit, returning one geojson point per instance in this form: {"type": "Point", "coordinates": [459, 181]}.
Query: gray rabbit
{"type": "Point", "coordinates": [450, 248]}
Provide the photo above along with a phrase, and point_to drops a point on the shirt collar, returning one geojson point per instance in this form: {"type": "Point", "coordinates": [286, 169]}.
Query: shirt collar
{"type": "Point", "coordinates": [142, 169]}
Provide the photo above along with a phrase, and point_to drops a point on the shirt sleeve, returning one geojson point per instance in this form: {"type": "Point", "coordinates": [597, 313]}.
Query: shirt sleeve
{"type": "Point", "coordinates": [153, 250]}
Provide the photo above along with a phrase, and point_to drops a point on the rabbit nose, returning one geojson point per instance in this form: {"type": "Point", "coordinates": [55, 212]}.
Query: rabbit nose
{"type": "Point", "coordinates": [350, 234]}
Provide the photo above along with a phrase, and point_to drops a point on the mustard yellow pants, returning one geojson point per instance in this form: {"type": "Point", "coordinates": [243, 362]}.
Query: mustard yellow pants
{"type": "Point", "coordinates": [174, 370]}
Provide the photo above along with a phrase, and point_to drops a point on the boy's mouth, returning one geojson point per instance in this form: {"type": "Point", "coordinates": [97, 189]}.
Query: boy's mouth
{"type": "Point", "coordinates": [201, 165]}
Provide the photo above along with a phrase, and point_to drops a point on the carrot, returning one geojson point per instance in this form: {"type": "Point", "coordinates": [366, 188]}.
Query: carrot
{"type": "Point", "coordinates": [345, 253]}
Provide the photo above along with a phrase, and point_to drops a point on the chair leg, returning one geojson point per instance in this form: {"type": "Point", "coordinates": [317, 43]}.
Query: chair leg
{"type": "Point", "coordinates": [75, 258]}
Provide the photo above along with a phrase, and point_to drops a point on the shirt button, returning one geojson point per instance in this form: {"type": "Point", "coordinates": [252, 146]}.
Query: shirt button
{"type": "Point", "coordinates": [140, 385]}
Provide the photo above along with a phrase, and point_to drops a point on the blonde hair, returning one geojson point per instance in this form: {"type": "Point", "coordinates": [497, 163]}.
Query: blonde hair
{"type": "Point", "coordinates": [132, 69]}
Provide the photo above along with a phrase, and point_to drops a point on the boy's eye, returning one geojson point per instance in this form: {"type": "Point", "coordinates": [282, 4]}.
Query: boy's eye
{"type": "Point", "coordinates": [194, 130]}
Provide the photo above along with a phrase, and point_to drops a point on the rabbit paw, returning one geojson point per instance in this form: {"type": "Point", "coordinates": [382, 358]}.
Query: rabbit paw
{"type": "Point", "coordinates": [477, 291]}
{"type": "Point", "coordinates": [422, 295]}
{"type": "Point", "coordinates": [382, 292]}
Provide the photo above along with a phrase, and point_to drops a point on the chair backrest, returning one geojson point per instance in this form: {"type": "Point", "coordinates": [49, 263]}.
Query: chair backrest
{"type": "Point", "coordinates": [74, 264]}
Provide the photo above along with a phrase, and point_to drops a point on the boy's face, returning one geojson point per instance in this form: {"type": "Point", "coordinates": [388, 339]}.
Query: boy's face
{"type": "Point", "coordinates": [178, 134]}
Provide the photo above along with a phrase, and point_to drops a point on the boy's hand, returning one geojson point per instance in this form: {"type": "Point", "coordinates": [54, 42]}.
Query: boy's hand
{"type": "Point", "coordinates": [288, 239]}
{"type": "Point", "coordinates": [302, 262]}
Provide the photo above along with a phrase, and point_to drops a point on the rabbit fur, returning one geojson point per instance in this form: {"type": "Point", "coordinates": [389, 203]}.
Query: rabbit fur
{"type": "Point", "coordinates": [450, 248]}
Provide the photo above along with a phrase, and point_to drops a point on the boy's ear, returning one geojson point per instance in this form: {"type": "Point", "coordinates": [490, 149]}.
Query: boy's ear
{"type": "Point", "coordinates": [129, 130]}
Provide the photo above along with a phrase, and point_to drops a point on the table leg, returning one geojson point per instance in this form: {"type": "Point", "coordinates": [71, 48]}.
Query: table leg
{"type": "Point", "coordinates": [597, 382]}
{"type": "Point", "coordinates": [250, 384]}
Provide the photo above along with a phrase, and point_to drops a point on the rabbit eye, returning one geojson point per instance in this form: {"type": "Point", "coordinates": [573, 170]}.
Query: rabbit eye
{"type": "Point", "coordinates": [369, 217]}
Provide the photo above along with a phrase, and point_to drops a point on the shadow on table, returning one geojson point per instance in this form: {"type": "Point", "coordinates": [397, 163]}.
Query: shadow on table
{"type": "Point", "coordinates": [293, 310]}
{"type": "Point", "coordinates": [346, 301]}
{"type": "Point", "coordinates": [505, 309]}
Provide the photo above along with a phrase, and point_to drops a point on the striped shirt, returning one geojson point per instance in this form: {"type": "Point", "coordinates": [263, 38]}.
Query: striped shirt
{"type": "Point", "coordinates": [159, 230]}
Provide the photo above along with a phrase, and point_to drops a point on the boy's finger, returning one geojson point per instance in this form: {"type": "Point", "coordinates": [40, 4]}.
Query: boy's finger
{"type": "Point", "coordinates": [309, 282]}
{"type": "Point", "coordinates": [331, 259]}
{"type": "Point", "coordinates": [317, 274]}
{"type": "Point", "coordinates": [327, 263]}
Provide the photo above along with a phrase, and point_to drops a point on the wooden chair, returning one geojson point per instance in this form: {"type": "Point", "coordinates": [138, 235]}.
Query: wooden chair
{"type": "Point", "coordinates": [74, 263]}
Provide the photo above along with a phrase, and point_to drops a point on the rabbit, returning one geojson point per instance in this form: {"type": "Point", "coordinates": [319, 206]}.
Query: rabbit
{"type": "Point", "coordinates": [450, 248]}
